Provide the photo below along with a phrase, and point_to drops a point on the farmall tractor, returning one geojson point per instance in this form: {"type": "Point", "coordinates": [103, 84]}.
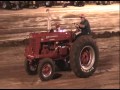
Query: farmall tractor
{"type": "Point", "coordinates": [49, 51]}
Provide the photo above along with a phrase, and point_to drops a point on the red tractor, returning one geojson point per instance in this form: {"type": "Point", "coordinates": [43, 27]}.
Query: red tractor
{"type": "Point", "coordinates": [47, 51]}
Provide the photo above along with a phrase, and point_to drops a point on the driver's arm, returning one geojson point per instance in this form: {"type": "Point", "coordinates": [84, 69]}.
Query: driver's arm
{"type": "Point", "coordinates": [82, 26]}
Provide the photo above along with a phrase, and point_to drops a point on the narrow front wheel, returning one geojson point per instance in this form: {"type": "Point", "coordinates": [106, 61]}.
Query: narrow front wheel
{"type": "Point", "coordinates": [46, 69]}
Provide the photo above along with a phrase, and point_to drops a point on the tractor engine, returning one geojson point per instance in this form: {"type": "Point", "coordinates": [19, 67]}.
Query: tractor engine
{"type": "Point", "coordinates": [50, 45]}
{"type": "Point", "coordinates": [57, 50]}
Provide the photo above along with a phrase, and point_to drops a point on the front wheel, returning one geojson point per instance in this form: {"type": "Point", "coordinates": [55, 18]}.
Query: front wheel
{"type": "Point", "coordinates": [31, 67]}
{"type": "Point", "coordinates": [84, 56]}
{"type": "Point", "coordinates": [46, 69]}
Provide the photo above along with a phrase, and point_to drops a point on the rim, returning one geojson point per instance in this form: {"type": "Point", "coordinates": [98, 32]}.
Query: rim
{"type": "Point", "coordinates": [46, 70]}
{"type": "Point", "coordinates": [87, 57]}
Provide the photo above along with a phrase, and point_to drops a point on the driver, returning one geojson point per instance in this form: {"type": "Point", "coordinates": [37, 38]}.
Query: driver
{"type": "Point", "coordinates": [84, 25]}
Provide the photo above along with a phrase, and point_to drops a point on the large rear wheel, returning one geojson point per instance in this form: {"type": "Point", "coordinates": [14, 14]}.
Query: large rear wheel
{"type": "Point", "coordinates": [84, 56]}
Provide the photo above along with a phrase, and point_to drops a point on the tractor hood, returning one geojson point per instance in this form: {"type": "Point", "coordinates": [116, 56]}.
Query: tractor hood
{"type": "Point", "coordinates": [54, 36]}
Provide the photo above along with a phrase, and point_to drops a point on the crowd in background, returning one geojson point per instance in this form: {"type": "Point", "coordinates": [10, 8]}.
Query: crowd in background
{"type": "Point", "coordinates": [36, 4]}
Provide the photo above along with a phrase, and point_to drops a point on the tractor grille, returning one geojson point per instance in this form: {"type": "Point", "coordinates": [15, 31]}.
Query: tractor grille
{"type": "Point", "coordinates": [32, 44]}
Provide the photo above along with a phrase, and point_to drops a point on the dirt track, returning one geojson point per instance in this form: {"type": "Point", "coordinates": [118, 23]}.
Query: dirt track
{"type": "Point", "coordinates": [13, 75]}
